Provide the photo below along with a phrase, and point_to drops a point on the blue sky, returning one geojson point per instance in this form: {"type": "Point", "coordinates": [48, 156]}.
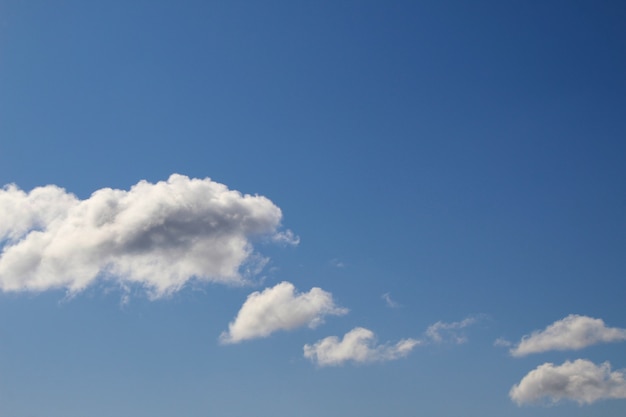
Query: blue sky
{"type": "Point", "coordinates": [423, 178]}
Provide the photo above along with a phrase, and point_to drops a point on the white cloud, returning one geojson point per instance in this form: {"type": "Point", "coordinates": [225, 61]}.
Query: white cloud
{"type": "Point", "coordinates": [581, 381]}
{"type": "Point", "coordinates": [390, 302]}
{"type": "Point", "coordinates": [280, 308]}
{"type": "Point", "coordinates": [287, 237]}
{"type": "Point", "coordinates": [441, 331]}
{"type": "Point", "coordinates": [358, 345]}
{"type": "Point", "coordinates": [501, 342]}
{"type": "Point", "coordinates": [156, 235]}
{"type": "Point", "coordinates": [571, 333]}
{"type": "Point", "coordinates": [337, 263]}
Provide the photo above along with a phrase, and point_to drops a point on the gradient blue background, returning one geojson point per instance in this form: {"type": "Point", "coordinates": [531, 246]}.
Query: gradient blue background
{"type": "Point", "coordinates": [469, 158]}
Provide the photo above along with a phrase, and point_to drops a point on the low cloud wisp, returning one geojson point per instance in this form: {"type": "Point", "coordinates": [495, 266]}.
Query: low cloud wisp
{"type": "Point", "coordinates": [442, 331]}
{"type": "Point", "coordinates": [359, 346]}
{"type": "Point", "coordinates": [280, 308]}
{"type": "Point", "coordinates": [389, 301]}
{"type": "Point", "coordinates": [159, 236]}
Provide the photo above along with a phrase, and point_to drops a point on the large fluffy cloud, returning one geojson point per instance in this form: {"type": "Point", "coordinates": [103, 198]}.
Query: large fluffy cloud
{"type": "Point", "coordinates": [358, 345]}
{"type": "Point", "coordinates": [280, 308]}
{"type": "Point", "coordinates": [581, 381]}
{"type": "Point", "coordinates": [156, 235]}
{"type": "Point", "coordinates": [571, 333]}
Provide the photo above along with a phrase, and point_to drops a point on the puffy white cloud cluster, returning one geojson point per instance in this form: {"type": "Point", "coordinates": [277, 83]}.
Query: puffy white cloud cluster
{"type": "Point", "coordinates": [280, 308]}
{"type": "Point", "coordinates": [581, 381]}
{"type": "Point", "coordinates": [571, 333]}
{"type": "Point", "coordinates": [156, 235]}
{"type": "Point", "coordinates": [160, 236]}
{"type": "Point", "coordinates": [358, 345]}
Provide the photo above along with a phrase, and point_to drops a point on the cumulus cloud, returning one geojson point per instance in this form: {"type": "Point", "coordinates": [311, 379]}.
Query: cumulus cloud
{"type": "Point", "coordinates": [442, 331]}
{"type": "Point", "coordinates": [156, 235]}
{"type": "Point", "coordinates": [358, 345]}
{"type": "Point", "coordinates": [280, 308]}
{"type": "Point", "coordinates": [571, 333]}
{"type": "Point", "coordinates": [581, 381]}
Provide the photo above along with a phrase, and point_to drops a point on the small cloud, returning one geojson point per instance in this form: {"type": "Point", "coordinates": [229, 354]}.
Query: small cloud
{"type": "Point", "coordinates": [287, 237]}
{"type": "Point", "coordinates": [159, 236]}
{"type": "Point", "coordinates": [337, 263]}
{"type": "Point", "coordinates": [501, 342]}
{"type": "Point", "coordinates": [280, 308]}
{"type": "Point", "coordinates": [359, 346]}
{"type": "Point", "coordinates": [442, 331]}
{"type": "Point", "coordinates": [574, 332]}
{"type": "Point", "coordinates": [124, 300]}
{"type": "Point", "coordinates": [390, 303]}
{"type": "Point", "coordinates": [581, 381]}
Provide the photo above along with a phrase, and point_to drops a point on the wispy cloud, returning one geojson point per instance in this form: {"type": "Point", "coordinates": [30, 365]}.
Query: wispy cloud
{"type": "Point", "coordinates": [581, 381]}
{"type": "Point", "coordinates": [337, 263]}
{"type": "Point", "coordinates": [359, 345]}
{"type": "Point", "coordinates": [390, 303]}
{"type": "Point", "coordinates": [442, 331]}
{"type": "Point", "coordinates": [571, 333]}
{"type": "Point", "coordinates": [501, 342]}
{"type": "Point", "coordinates": [159, 236]}
{"type": "Point", "coordinates": [280, 308]}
